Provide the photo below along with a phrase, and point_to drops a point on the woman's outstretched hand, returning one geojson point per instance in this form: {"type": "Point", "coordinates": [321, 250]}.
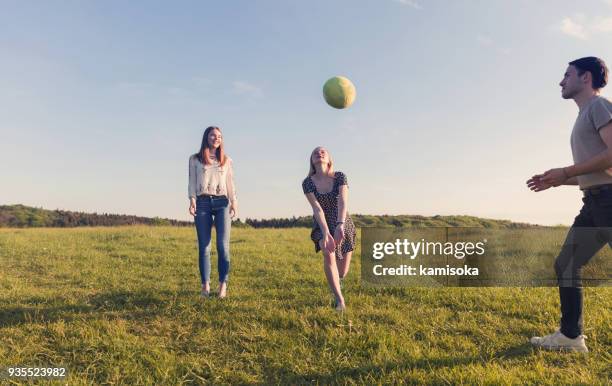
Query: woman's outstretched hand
{"type": "Point", "coordinates": [328, 243]}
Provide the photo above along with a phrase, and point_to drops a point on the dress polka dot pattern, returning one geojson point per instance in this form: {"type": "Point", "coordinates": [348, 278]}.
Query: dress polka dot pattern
{"type": "Point", "coordinates": [329, 204]}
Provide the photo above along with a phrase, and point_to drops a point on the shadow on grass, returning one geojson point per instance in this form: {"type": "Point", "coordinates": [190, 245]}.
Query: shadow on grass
{"type": "Point", "coordinates": [378, 372]}
{"type": "Point", "coordinates": [129, 305]}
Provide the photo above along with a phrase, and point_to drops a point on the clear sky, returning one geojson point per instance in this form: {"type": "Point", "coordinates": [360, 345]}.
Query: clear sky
{"type": "Point", "coordinates": [458, 103]}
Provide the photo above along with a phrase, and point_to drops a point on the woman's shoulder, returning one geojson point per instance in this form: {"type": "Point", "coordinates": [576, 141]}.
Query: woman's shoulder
{"type": "Point", "coordinates": [340, 178]}
{"type": "Point", "coordinates": [193, 157]}
{"type": "Point", "coordinates": [306, 180]}
{"type": "Point", "coordinates": [307, 185]}
{"type": "Point", "coordinates": [228, 163]}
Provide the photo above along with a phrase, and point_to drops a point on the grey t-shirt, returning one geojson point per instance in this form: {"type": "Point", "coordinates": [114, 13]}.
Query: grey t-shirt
{"type": "Point", "coordinates": [586, 141]}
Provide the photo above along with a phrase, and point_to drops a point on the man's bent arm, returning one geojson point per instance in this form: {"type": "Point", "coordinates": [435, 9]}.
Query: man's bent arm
{"type": "Point", "coordinates": [571, 181]}
{"type": "Point", "coordinates": [601, 161]}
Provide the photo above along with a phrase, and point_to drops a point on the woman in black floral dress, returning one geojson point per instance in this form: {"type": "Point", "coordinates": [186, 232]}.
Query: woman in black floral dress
{"type": "Point", "coordinates": [327, 193]}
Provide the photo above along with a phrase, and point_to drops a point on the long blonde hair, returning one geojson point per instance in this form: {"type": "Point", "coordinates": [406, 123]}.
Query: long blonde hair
{"type": "Point", "coordinates": [330, 165]}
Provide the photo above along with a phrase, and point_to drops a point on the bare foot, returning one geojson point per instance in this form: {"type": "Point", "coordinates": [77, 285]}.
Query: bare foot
{"type": "Point", "coordinates": [222, 290]}
{"type": "Point", "coordinates": [205, 289]}
{"type": "Point", "coordinates": [340, 305]}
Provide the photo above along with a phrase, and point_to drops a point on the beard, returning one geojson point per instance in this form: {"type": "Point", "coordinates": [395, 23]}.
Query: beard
{"type": "Point", "coordinates": [567, 94]}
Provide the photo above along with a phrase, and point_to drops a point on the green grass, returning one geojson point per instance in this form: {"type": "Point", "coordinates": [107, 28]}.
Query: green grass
{"type": "Point", "coordinates": [122, 306]}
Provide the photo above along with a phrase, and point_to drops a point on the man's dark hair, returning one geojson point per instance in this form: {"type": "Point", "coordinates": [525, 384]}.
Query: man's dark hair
{"type": "Point", "coordinates": [597, 68]}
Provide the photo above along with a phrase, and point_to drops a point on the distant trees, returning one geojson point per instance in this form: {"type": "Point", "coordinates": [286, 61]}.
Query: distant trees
{"type": "Point", "coordinates": [293, 222]}
{"type": "Point", "coordinates": [19, 216]}
{"type": "Point", "coordinates": [361, 220]}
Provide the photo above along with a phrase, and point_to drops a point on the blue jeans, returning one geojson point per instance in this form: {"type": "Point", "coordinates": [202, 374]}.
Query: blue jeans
{"type": "Point", "coordinates": [213, 210]}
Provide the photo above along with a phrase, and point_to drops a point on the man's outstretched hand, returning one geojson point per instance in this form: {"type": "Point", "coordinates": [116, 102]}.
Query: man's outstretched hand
{"type": "Point", "coordinates": [555, 177]}
{"type": "Point", "coordinates": [537, 183]}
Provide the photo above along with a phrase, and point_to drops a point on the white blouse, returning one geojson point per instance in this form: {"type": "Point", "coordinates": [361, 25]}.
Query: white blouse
{"type": "Point", "coordinates": [212, 179]}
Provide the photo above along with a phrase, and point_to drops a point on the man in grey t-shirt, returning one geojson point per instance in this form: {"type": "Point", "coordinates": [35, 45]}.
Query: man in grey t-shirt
{"type": "Point", "coordinates": [591, 143]}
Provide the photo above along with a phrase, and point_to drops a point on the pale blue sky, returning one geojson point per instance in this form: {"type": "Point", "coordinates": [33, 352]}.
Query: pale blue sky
{"type": "Point", "coordinates": [458, 103]}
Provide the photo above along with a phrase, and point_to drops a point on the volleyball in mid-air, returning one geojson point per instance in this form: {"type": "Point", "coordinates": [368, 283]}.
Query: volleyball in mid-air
{"type": "Point", "coordinates": [339, 92]}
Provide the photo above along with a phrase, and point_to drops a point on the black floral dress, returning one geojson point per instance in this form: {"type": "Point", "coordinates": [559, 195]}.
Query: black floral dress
{"type": "Point", "coordinates": [329, 204]}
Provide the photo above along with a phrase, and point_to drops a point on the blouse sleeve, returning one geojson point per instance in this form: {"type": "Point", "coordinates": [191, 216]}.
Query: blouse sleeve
{"type": "Point", "coordinates": [191, 187]}
{"type": "Point", "coordinates": [308, 186]}
{"type": "Point", "coordinates": [341, 179]}
{"type": "Point", "coordinates": [229, 183]}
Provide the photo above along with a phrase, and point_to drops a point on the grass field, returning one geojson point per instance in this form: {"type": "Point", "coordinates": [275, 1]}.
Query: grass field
{"type": "Point", "coordinates": [122, 306]}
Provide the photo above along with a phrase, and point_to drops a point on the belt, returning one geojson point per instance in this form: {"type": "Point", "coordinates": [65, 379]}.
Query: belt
{"type": "Point", "coordinates": [211, 196]}
{"type": "Point", "coordinates": [598, 189]}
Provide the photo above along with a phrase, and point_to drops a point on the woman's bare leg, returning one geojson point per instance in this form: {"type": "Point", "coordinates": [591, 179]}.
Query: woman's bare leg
{"type": "Point", "coordinates": [331, 272]}
{"type": "Point", "coordinates": [344, 265]}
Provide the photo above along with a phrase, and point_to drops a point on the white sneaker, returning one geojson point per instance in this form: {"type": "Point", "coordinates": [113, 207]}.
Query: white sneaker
{"type": "Point", "coordinates": [558, 341]}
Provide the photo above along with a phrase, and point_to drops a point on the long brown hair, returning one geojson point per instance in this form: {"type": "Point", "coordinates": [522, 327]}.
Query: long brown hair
{"type": "Point", "coordinates": [330, 165]}
{"type": "Point", "coordinates": [204, 154]}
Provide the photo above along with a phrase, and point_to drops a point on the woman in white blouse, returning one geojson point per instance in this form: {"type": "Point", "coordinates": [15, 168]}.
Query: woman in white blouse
{"type": "Point", "coordinates": [212, 200]}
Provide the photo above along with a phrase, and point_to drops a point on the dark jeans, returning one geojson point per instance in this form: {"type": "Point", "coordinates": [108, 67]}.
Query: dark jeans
{"type": "Point", "coordinates": [213, 210]}
{"type": "Point", "coordinates": [589, 233]}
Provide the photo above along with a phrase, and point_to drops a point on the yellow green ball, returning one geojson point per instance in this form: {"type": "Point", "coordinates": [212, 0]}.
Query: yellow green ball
{"type": "Point", "coordinates": [339, 92]}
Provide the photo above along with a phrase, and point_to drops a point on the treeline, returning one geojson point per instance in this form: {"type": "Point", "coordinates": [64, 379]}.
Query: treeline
{"type": "Point", "coordinates": [361, 220]}
{"type": "Point", "coordinates": [21, 216]}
